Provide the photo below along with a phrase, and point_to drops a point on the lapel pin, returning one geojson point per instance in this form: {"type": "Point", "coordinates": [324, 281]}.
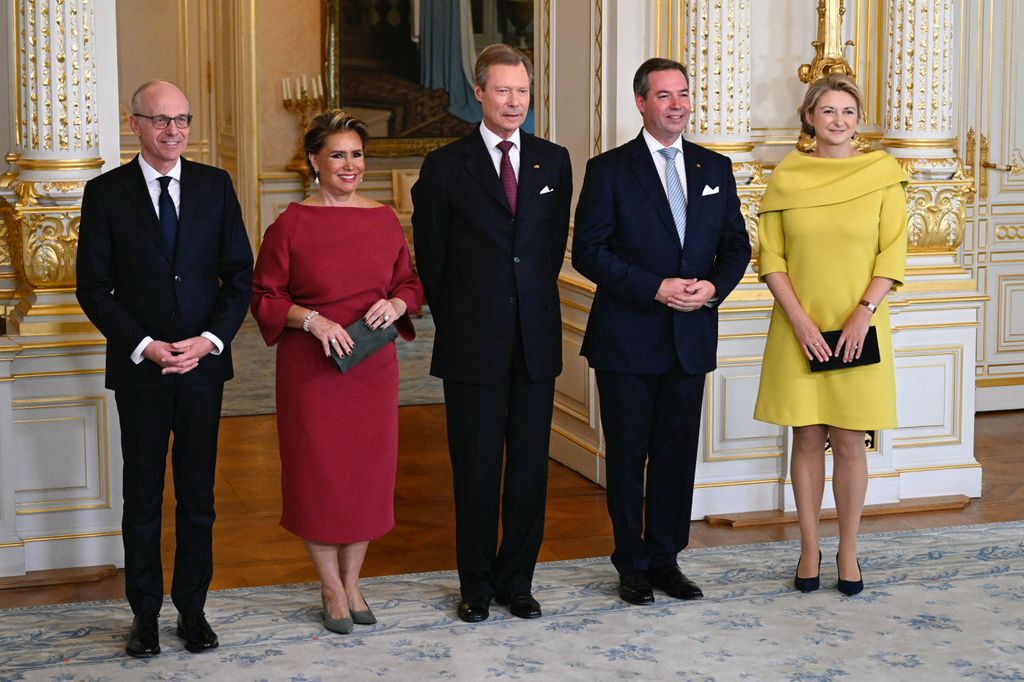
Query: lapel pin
{"type": "Point", "coordinates": [536, 165]}
{"type": "Point", "coordinates": [698, 165]}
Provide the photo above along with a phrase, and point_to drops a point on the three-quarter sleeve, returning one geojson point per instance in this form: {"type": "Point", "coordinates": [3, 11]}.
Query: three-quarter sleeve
{"type": "Point", "coordinates": [271, 300]}
{"type": "Point", "coordinates": [405, 285]}
{"type": "Point", "coordinates": [771, 244]}
{"type": "Point", "coordinates": [891, 260]}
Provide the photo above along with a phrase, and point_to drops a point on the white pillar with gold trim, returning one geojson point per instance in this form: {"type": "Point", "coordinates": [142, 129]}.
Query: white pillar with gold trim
{"type": "Point", "coordinates": [60, 468]}
{"type": "Point", "coordinates": [717, 52]}
{"type": "Point", "coordinates": [58, 150]}
{"type": "Point", "coordinates": [919, 106]}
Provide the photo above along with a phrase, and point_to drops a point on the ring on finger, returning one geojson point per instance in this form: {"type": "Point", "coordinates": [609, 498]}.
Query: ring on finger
{"type": "Point", "coordinates": [386, 317]}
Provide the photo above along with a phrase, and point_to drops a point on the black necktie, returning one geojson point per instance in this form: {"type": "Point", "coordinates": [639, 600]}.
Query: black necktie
{"type": "Point", "coordinates": [168, 216]}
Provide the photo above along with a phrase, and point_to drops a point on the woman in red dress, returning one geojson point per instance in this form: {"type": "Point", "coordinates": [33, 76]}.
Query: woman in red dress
{"type": "Point", "coordinates": [325, 263]}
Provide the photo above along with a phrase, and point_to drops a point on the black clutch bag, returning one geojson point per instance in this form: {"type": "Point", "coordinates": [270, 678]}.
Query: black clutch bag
{"type": "Point", "coordinates": [868, 352]}
{"type": "Point", "coordinates": [367, 342]}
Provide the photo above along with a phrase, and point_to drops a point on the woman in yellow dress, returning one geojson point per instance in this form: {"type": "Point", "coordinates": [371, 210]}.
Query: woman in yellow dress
{"type": "Point", "coordinates": [833, 242]}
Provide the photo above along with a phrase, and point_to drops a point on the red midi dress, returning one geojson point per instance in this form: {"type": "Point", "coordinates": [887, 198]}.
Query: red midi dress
{"type": "Point", "coordinates": [338, 432]}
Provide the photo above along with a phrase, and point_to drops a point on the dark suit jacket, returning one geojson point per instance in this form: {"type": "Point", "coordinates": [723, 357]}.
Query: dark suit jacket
{"type": "Point", "coordinates": [479, 264]}
{"type": "Point", "coordinates": [625, 240]}
{"type": "Point", "coordinates": [131, 286]}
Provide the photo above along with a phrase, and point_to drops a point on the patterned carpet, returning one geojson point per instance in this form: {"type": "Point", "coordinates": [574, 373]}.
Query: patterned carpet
{"type": "Point", "coordinates": [940, 604]}
{"type": "Point", "coordinates": [252, 389]}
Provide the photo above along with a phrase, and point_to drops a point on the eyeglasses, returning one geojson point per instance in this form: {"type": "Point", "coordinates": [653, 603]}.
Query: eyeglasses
{"type": "Point", "coordinates": [160, 122]}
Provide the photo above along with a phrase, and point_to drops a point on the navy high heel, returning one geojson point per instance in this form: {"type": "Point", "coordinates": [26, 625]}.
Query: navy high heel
{"type": "Point", "coordinates": [850, 587]}
{"type": "Point", "coordinates": [807, 584]}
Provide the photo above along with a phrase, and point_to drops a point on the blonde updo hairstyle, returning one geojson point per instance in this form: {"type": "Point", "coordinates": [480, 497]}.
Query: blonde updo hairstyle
{"type": "Point", "coordinates": [834, 82]}
{"type": "Point", "coordinates": [326, 124]}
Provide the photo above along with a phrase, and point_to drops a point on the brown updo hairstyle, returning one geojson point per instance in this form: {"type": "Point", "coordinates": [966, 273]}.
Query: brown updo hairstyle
{"type": "Point", "coordinates": [834, 82]}
{"type": "Point", "coordinates": [326, 124]}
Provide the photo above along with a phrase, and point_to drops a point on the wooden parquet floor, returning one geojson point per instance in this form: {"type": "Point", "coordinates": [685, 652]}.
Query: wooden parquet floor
{"type": "Point", "coordinates": [250, 548]}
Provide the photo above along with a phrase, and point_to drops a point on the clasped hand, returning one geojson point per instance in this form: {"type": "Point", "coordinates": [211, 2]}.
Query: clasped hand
{"type": "Point", "coordinates": [381, 314]}
{"type": "Point", "coordinates": [685, 294]}
{"type": "Point", "coordinates": [179, 357]}
{"type": "Point", "coordinates": [851, 339]}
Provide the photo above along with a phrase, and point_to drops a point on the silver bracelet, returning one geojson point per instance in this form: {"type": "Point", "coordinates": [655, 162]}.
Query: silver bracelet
{"type": "Point", "coordinates": [307, 319]}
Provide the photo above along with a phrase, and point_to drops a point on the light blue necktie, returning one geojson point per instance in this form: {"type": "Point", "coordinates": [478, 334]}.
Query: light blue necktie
{"type": "Point", "coordinates": [676, 195]}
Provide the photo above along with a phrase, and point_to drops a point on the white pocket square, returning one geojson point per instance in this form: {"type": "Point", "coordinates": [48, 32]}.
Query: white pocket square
{"type": "Point", "coordinates": [709, 190]}
{"type": "Point", "coordinates": [546, 190]}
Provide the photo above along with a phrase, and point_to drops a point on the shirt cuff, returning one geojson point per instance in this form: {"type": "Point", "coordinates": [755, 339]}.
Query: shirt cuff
{"type": "Point", "coordinates": [711, 302]}
{"type": "Point", "coordinates": [137, 353]}
{"type": "Point", "coordinates": [217, 343]}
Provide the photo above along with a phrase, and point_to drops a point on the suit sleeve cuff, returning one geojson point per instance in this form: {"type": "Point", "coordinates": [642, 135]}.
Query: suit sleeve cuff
{"type": "Point", "coordinates": [218, 344]}
{"type": "Point", "coordinates": [137, 353]}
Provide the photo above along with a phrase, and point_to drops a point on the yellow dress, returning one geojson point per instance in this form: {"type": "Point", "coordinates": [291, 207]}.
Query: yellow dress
{"type": "Point", "coordinates": [832, 225]}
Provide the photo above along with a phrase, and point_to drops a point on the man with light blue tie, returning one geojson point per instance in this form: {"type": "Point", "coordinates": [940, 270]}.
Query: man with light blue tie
{"type": "Point", "coordinates": [658, 229]}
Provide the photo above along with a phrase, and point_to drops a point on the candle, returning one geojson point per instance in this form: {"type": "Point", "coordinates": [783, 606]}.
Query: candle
{"type": "Point", "coordinates": [305, 86]}
{"type": "Point", "coordinates": [319, 87]}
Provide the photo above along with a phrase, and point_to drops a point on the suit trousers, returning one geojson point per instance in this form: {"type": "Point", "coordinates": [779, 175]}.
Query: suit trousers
{"type": "Point", "coordinates": [148, 418]}
{"type": "Point", "coordinates": [650, 421]}
{"type": "Point", "coordinates": [485, 421]}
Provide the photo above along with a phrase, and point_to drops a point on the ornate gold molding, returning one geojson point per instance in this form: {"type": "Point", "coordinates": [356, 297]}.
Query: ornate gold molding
{"type": "Point", "coordinates": [729, 147]}
{"type": "Point", "coordinates": [937, 214]}
{"type": "Point", "coordinates": [60, 164]}
{"type": "Point", "coordinates": [391, 147]}
{"type": "Point", "coordinates": [754, 168]}
{"type": "Point", "coordinates": [46, 244]}
{"type": "Point", "coordinates": [1009, 232]}
{"type": "Point", "coordinates": [828, 47]}
{"type": "Point", "coordinates": [750, 198]}
{"type": "Point", "coordinates": [917, 143]}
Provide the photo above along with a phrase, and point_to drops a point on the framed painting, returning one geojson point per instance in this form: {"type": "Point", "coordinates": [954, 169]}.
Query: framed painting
{"type": "Point", "coordinates": [405, 67]}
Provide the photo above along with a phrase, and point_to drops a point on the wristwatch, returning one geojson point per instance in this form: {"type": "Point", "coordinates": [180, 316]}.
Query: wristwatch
{"type": "Point", "coordinates": [869, 305]}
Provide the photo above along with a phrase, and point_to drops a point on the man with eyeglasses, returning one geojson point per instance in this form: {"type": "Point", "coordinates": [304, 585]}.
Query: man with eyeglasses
{"type": "Point", "coordinates": [165, 273]}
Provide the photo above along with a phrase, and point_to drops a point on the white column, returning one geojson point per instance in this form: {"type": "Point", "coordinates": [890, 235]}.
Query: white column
{"type": "Point", "coordinates": [717, 50]}
{"type": "Point", "coordinates": [57, 133]}
{"type": "Point", "coordinates": [60, 463]}
{"type": "Point", "coordinates": [919, 108]}
{"type": "Point", "coordinates": [58, 125]}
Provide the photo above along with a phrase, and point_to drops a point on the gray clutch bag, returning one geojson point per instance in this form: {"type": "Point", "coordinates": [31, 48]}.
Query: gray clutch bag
{"type": "Point", "coordinates": [367, 342]}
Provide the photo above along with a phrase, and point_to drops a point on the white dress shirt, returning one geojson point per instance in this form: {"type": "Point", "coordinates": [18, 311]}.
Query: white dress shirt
{"type": "Point", "coordinates": [152, 177]}
{"type": "Point", "coordinates": [492, 140]}
{"type": "Point", "coordinates": [660, 162]}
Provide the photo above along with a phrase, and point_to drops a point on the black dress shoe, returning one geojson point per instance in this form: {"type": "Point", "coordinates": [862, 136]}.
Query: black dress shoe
{"type": "Point", "coordinates": [197, 633]}
{"type": "Point", "coordinates": [520, 604]}
{"type": "Point", "coordinates": [635, 587]}
{"type": "Point", "coordinates": [474, 609]}
{"type": "Point", "coordinates": [850, 587]}
{"type": "Point", "coordinates": [144, 637]}
{"type": "Point", "coordinates": [672, 582]}
{"type": "Point", "coordinates": [807, 584]}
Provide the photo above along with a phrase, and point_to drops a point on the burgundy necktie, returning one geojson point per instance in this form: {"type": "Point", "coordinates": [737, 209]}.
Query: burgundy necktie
{"type": "Point", "coordinates": [508, 176]}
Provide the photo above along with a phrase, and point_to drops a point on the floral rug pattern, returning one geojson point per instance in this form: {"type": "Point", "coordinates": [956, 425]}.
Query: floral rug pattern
{"type": "Point", "coordinates": [940, 604]}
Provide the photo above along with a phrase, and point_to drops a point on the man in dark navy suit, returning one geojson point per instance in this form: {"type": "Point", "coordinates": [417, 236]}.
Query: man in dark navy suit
{"type": "Point", "coordinates": [658, 229]}
{"type": "Point", "coordinates": [165, 273]}
{"type": "Point", "coordinates": [490, 224]}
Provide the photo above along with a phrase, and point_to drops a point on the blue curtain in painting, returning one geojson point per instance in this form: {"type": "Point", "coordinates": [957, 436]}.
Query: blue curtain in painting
{"type": "Point", "coordinates": [441, 57]}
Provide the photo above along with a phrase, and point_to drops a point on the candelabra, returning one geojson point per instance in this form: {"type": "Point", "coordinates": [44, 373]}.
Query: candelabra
{"type": "Point", "coordinates": [304, 103]}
